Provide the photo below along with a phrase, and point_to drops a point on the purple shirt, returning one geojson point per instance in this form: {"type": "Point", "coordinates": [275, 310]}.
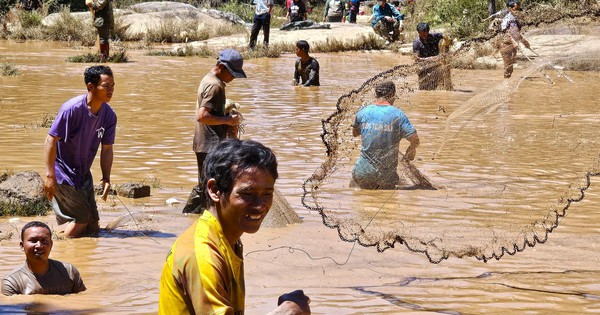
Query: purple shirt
{"type": "Point", "coordinates": [80, 133]}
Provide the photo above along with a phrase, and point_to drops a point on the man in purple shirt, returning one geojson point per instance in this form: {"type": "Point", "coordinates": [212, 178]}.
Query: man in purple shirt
{"type": "Point", "coordinates": [81, 125]}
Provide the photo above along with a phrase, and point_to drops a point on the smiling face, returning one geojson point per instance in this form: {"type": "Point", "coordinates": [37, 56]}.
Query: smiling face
{"type": "Point", "coordinates": [245, 207]}
{"type": "Point", "coordinates": [103, 91]}
{"type": "Point", "coordinates": [37, 244]}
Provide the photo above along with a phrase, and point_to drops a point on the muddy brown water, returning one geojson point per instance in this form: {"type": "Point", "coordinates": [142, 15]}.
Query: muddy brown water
{"type": "Point", "coordinates": [154, 101]}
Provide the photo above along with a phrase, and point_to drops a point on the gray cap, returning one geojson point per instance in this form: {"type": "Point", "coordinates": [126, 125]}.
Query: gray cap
{"type": "Point", "coordinates": [233, 61]}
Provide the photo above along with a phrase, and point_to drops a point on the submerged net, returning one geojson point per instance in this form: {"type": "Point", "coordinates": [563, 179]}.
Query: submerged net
{"type": "Point", "coordinates": [503, 172]}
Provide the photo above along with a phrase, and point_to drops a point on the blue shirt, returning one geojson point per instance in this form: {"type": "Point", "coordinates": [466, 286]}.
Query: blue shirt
{"type": "Point", "coordinates": [380, 12]}
{"type": "Point", "coordinates": [381, 129]}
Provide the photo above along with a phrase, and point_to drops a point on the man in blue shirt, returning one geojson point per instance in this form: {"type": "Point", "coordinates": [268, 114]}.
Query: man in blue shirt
{"type": "Point", "coordinates": [387, 21]}
{"type": "Point", "coordinates": [381, 126]}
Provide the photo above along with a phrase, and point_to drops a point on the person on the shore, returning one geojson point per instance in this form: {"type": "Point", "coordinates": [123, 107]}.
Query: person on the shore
{"type": "Point", "coordinates": [102, 13]}
{"type": "Point", "coordinates": [511, 28]}
{"type": "Point", "coordinates": [262, 19]}
{"type": "Point", "coordinates": [39, 274]}
{"type": "Point", "coordinates": [296, 12]}
{"type": "Point", "coordinates": [353, 10]}
{"type": "Point", "coordinates": [334, 11]}
{"type": "Point", "coordinates": [211, 120]}
{"type": "Point", "coordinates": [204, 270]}
{"type": "Point", "coordinates": [306, 69]}
{"type": "Point", "coordinates": [387, 21]}
{"type": "Point", "coordinates": [381, 126]}
{"type": "Point", "coordinates": [82, 124]}
{"type": "Point", "coordinates": [426, 48]}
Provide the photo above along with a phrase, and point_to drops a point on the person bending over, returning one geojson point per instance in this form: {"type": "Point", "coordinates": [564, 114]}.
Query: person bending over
{"type": "Point", "coordinates": [39, 274]}
{"type": "Point", "coordinates": [204, 270]}
{"type": "Point", "coordinates": [381, 126]}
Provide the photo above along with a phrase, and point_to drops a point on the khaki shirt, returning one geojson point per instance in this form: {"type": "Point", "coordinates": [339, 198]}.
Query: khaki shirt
{"type": "Point", "coordinates": [61, 278]}
{"type": "Point", "coordinates": [211, 95]}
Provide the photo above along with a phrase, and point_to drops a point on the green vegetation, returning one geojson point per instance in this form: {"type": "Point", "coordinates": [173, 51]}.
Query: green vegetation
{"type": "Point", "coordinates": [185, 51]}
{"type": "Point", "coordinates": [117, 57]}
{"type": "Point", "coordinates": [47, 120]}
{"type": "Point", "coordinates": [9, 70]}
{"type": "Point", "coordinates": [369, 42]}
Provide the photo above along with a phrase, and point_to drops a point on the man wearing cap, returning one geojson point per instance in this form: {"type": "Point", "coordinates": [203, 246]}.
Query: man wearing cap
{"type": "Point", "coordinates": [426, 48]}
{"type": "Point", "coordinates": [211, 119]}
{"type": "Point", "coordinates": [262, 19]}
{"type": "Point", "coordinates": [511, 28]}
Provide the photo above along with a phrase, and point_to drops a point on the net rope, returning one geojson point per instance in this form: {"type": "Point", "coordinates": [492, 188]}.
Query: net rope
{"type": "Point", "coordinates": [503, 173]}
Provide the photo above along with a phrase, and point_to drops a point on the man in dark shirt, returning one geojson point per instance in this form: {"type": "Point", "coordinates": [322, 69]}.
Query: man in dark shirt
{"type": "Point", "coordinates": [426, 49]}
{"type": "Point", "coordinates": [307, 67]}
{"type": "Point", "coordinates": [38, 274]}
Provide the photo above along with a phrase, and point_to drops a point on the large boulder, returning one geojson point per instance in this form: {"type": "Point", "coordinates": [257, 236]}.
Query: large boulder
{"type": "Point", "coordinates": [22, 194]}
{"type": "Point", "coordinates": [145, 17]}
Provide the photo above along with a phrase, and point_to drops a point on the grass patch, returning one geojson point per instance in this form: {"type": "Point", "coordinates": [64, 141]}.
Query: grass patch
{"type": "Point", "coordinates": [152, 181]}
{"type": "Point", "coordinates": [368, 42]}
{"type": "Point", "coordinates": [176, 32]}
{"type": "Point", "coordinates": [244, 10]}
{"type": "Point", "coordinates": [70, 29]}
{"type": "Point", "coordinates": [185, 51]}
{"type": "Point", "coordinates": [119, 56]}
{"type": "Point", "coordinates": [9, 70]}
{"type": "Point", "coordinates": [581, 64]}
{"type": "Point", "coordinates": [47, 120]}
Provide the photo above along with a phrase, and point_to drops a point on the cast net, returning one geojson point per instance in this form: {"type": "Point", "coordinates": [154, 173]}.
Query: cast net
{"type": "Point", "coordinates": [495, 173]}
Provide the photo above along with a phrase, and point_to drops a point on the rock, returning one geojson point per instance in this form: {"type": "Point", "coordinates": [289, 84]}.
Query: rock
{"type": "Point", "coordinates": [281, 213]}
{"type": "Point", "coordinates": [172, 201]}
{"type": "Point", "coordinates": [145, 17]}
{"type": "Point", "coordinates": [133, 190]}
{"type": "Point", "coordinates": [22, 194]}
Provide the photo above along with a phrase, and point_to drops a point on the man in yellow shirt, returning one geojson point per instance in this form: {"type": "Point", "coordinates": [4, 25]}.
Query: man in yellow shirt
{"type": "Point", "coordinates": [204, 270]}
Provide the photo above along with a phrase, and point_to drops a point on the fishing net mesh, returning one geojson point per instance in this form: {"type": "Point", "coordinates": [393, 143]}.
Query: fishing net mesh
{"type": "Point", "coordinates": [494, 175]}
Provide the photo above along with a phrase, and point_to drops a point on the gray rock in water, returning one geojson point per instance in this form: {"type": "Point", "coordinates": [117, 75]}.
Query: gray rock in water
{"type": "Point", "coordinates": [133, 190]}
{"type": "Point", "coordinates": [22, 194]}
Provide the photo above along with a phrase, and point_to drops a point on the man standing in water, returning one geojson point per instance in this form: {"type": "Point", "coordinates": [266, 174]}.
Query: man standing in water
{"type": "Point", "coordinates": [306, 67]}
{"type": "Point", "coordinates": [425, 48]}
{"type": "Point", "coordinates": [102, 13]}
{"type": "Point", "coordinates": [39, 274]}
{"type": "Point", "coordinates": [82, 124]}
{"type": "Point", "coordinates": [381, 126]}
{"type": "Point", "coordinates": [511, 28]}
{"type": "Point", "coordinates": [204, 270]}
{"type": "Point", "coordinates": [211, 119]}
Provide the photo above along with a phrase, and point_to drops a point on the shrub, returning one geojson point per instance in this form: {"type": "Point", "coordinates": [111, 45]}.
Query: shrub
{"type": "Point", "coordinates": [176, 32]}
{"type": "Point", "coordinates": [119, 56]}
{"type": "Point", "coordinates": [9, 70]}
{"type": "Point", "coordinates": [70, 29]}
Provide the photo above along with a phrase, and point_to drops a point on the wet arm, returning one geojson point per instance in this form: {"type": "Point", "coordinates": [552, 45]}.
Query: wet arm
{"type": "Point", "coordinates": [49, 159]}
{"type": "Point", "coordinates": [205, 117]}
{"type": "Point", "coordinates": [106, 161]}
{"type": "Point", "coordinates": [411, 151]}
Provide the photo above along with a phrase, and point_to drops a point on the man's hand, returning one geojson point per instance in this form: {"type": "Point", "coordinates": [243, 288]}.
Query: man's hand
{"type": "Point", "coordinates": [105, 188]}
{"type": "Point", "coordinates": [526, 44]}
{"type": "Point", "coordinates": [390, 18]}
{"type": "Point", "coordinates": [235, 120]}
{"type": "Point", "coordinates": [88, 3]}
{"type": "Point", "coordinates": [50, 187]}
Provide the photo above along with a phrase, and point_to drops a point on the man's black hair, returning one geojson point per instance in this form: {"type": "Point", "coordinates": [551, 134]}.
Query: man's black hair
{"type": "Point", "coordinates": [303, 45]}
{"type": "Point", "coordinates": [34, 224]}
{"type": "Point", "coordinates": [385, 89]}
{"type": "Point", "coordinates": [92, 74]}
{"type": "Point", "coordinates": [512, 3]}
{"type": "Point", "coordinates": [231, 157]}
{"type": "Point", "coordinates": [422, 27]}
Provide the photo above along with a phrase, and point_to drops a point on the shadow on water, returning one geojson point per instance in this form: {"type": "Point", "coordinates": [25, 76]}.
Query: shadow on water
{"type": "Point", "coordinates": [118, 233]}
{"type": "Point", "coordinates": [38, 308]}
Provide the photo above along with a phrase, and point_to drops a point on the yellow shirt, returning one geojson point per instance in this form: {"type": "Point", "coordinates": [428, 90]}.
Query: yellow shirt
{"type": "Point", "coordinates": [203, 274]}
